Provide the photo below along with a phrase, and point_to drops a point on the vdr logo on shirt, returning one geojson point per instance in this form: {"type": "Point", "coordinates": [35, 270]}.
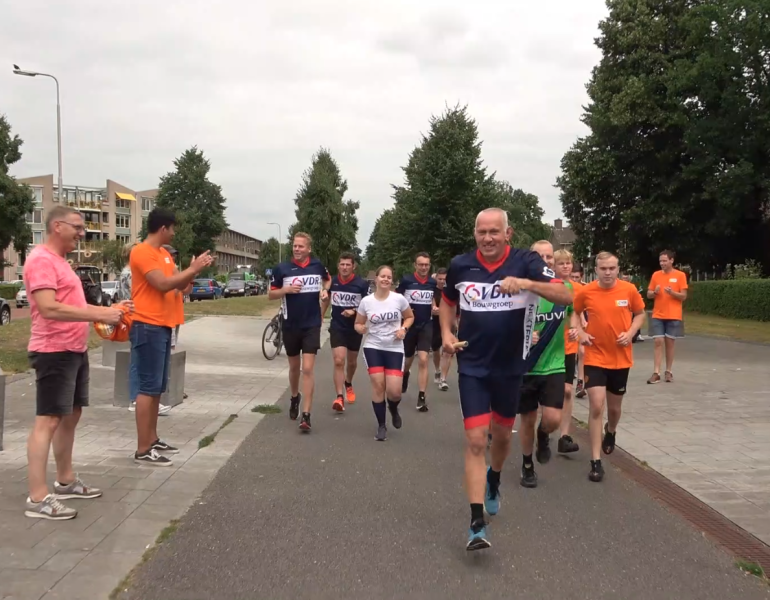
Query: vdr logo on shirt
{"type": "Point", "coordinates": [488, 297]}
{"type": "Point", "coordinates": [421, 297]}
{"type": "Point", "coordinates": [309, 283]}
{"type": "Point", "coordinates": [394, 315]}
{"type": "Point", "coordinates": [621, 303]}
{"type": "Point", "coordinates": [346, 299]}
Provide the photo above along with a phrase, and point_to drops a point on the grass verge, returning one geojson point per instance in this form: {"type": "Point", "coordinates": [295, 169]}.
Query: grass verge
{"type": "Point", "coordinates": [741, 330]}
{"type": "Point", "coordinates": [253, 306]}
{"type": "Point", "coordinates": [163, 536]}
{"type": "Point", "coordinates": [266, 409]}
{"type": "Point", "coordinates": [14, 339]}
{"type": "Point", "coordinates": [209, 439]}
{"type": "Point", "coordinates": [751, 568]}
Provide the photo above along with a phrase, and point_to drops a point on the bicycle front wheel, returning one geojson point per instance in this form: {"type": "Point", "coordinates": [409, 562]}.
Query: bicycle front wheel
{"type": "Point", "coordinates": [271, 340]}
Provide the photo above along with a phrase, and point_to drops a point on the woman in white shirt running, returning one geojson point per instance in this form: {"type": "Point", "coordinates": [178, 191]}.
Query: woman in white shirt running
{"type": "Point", "coordinates": [385, 318]}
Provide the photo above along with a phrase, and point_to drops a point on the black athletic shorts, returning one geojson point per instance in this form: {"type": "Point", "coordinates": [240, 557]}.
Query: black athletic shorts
{"type": "Point", "coordinates": [615, 380]}
{"type": "Point", "coordinates": [437, 341]}
{"type": "Point", "coordinates": [541, 390]}
{"type": "Point", "coordinates": [61, 381]}
{"type": "Point", "coordinates": [306, 341]}
{"type": "Point", "coordinates": [570, 366]}
{"type": "Point", "coordinates": [418, 339]}
{"type": "Point", "coordinates": [349, 339]}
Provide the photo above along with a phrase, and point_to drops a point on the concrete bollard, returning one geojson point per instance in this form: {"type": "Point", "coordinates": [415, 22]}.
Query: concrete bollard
{"type": "Point", "coordinates": [109, 349]}
{"type": "Point", "coordinates": [2, 407]}
{"type": "Point", "coordinates": [175, 389]}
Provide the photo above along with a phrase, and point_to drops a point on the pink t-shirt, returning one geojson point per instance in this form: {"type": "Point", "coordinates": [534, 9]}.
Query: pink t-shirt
{"type": "Point", "coordinates": [45, 270]}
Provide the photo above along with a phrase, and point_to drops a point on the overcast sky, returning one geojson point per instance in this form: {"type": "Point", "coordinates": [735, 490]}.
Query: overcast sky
{"type": "Point", "coordinates": [260, 86]}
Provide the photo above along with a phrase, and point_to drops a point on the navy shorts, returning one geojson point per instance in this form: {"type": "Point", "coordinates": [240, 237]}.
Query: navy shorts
{"type": "Point", "coordinates": [483, 399]}
{"type": "Point", "coordinates": [389, 362]}
{"type": "Point", "coordinates": [150, 358]}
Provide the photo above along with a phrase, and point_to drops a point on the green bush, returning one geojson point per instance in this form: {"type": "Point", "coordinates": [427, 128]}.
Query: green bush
{"type": "Point", "coordinates": [9, 291]}
{"type": "Point", "coordinates": [735, 299]}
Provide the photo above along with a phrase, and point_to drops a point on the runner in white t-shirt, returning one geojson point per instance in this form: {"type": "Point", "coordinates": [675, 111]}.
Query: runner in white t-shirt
{"type": "Point", "coordinates": [384, 317]}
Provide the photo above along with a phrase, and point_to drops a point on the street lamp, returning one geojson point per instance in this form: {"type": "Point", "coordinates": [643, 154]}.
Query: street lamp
{"type": "Point", "coordinates": [18, 71]}
{"type": "Point", "coordinates": [280, 259]}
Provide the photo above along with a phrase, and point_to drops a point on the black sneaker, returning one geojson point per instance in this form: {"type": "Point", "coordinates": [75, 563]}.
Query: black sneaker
{"type": "Point", "coordinates": [422, 405]}
{"type": "Point", "coordinates": [543, 450]}
{"type": "Point", "coordinates": [405, 383]}
{"type": "Point", "coordinates": [528, 476]}
{"type": "Point", "coordinates": [152, 457]}
{"type": "Point", "coordinates": [395, 417]}
{"type": "Point", "coordinates": [294, 408]}
{"type": "Point", "coordinates": [580, 390]}
{"type": "Point", "coordinates": [382, 433]}
{"type": "Point", "coordinates": [567, 445]}
{"type": "Point", "coordinates": [162, 446]}
{"type": "Point", "coordinates": [304, 423]}
{"type": "Point", "coordinates": [597, 471]}
{"type": "Point", "coordinates": [608, 443]}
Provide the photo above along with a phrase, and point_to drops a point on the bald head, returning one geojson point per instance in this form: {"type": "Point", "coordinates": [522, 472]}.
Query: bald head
{"type": "Point", "coordinates": [493, 214]}
{"type": "Point", "coordinates": [492, 233]}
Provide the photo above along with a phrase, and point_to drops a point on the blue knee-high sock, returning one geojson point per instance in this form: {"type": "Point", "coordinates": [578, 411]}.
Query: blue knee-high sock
{"type": "Point", "coordinates": [379, 410]}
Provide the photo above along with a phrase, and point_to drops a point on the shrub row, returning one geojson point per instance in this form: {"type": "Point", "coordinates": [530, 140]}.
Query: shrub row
{"type": "Point", "coordinates": [8, 291]}
{"type": "Point", "coordinates": [736, 299]}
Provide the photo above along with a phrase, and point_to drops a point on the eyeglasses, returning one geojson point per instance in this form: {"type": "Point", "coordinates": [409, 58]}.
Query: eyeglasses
{"type": "Point", "coordinates": [77, 228]}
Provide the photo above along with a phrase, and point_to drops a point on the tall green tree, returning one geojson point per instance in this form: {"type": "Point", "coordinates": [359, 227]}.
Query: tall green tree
{"type": "Point", "coordinates": [268, 256]}
{"type": "Point", "coordinates": [323, 212]}
{"type": "Point", "coordinates": [197, 203]}
{"type": "Point", "coordinates": [678, 153]}
{"type": "Point", "coordinates": [525, 214]}
{"type": "Point", "coordinates": [16, 199]}
{"type": "Point", "coordinates": [114, 255]}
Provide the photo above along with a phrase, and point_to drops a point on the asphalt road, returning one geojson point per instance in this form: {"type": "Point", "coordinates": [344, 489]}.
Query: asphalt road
{"type": "Point", "coordinates": [336, 515]}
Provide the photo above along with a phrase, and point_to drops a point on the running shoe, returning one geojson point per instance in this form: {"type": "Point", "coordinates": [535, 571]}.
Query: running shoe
{"type": "Point", "coordinates": [567, 445]}
{"type": "Point", "coordinates": [339, 404]}
{"type": "Point", "coordinates": [304, 423]}
{"type": "Point", "coordinates": [395, 417]}
{"type": "Point", "coordinates": [543, 450]}
{"type": "Point", "coordinates": [405, 383]}
{"type": "Point", "coordinates": [76, 489]}
{"type": "Point", "coordinates": [163, 410]}
{"type": "Point", "coordinates": [162, 446]}
{"type": "Point", "coordinates": [350, 394]}
{"type": "Point", "coordinates": [528, 476]}
{"type": "Point", "coordinates": [422, 405]}
{"type": "Point", "coordinates": [382, 433]}
{"type": "Point", "coordinates": [443, 385]}
{"type": "Point", "coordinates": [437, 377]}
{"type": "Point", "coordinates": [608, 443]}
{"type": "Point", "coordinates": [477, 537]}
{"type": "Point", "coordinates": [580, 389]}
{"type": "Point", "coordinates": [294, 407]}
{"type": "Point", "coordinates": [491, 497]}
{"type": "Point", "coordinates": [654, 378]}
{"type": "Point", "coordinates": [597, 471]}
{"type": "Point", "coordinates": [669, 377]}
{"type": "Point", "coordinates": [49, 508]}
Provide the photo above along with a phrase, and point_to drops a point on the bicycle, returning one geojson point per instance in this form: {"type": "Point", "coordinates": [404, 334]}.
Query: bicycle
{"type": "Point", "coordinates": [272, 337]}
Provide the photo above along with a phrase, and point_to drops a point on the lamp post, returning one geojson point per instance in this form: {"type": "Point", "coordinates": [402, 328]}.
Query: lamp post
{"type": "Point", "coordinates": [280, 259]}
{"type": "Point", "coordinates": [18, 71]}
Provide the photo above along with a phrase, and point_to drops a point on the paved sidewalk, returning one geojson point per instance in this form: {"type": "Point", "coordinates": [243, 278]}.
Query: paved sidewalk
{"type": "Point", "coordinates": [88, 556]}
{"type": "Point", "coordinates": [336, 515]}
{"type": "Point", "coordinates": [709, 431]}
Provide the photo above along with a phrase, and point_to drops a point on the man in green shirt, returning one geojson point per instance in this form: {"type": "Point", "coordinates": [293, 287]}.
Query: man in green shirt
{"type": "Point", "coordinates": [544, 382]}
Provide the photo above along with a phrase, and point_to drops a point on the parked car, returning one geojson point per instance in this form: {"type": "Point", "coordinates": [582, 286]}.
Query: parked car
{"type": "Point", "coordinates": [110, 288]}
{"type": "Point", "coordinates": [236, 287]}
{"type": "Point", "coordinates": [205, 289]}
{"type": "Point", "coordinates": [21, 297]}
{"type": "Point", "coordinates": [5, 312]}
{"type": "Point", "coordinates": [251, 288]}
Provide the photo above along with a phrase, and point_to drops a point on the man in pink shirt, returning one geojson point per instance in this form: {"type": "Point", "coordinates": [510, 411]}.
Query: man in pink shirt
{"type": "Point", "coordinates": [58, 351]}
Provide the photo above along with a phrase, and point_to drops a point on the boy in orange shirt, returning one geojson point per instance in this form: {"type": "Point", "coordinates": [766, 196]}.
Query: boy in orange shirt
{"type": "Point", "coordinates": [668, 287]}
{"type": "Point", "coordinates": [615, 312]}
{"type": "Point", "coordinates": [153, 283]}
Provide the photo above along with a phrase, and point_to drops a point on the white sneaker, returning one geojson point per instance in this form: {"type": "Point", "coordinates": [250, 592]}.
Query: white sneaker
{"type": "Point", "coordinates": [163, 410]}
{"type": "Point", "coordinates": [132, 407]}
{"type": "Point", "coordinates": [437, 377]}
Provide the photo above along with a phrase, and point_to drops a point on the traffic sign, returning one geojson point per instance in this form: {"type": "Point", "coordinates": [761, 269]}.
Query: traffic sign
{"type": "Point", "coordinates": [268, 272]}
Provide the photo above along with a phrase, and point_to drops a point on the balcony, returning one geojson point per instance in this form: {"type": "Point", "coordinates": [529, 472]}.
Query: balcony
{"type": "Point", "coordinates": [93, 226]}
{"type": "Point", "coordinates": [121, 210]}
{"type": "Point", "coordinates": [85, 205]}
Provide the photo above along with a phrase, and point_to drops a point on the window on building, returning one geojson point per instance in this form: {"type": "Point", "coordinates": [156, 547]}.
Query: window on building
{"type": "Point", "coordinates": [123, 203]}
{"type": "Point", "coordinates": [147, 203]}
{"type": "Point", "coordinates": [38, 193]}
{"type": "Point", "coordinates": [123, 239]}
{"type": "Point", "coordinates": [36, 216]}
{"type": "Point", "coordinates": [37, 237]}
{"type": "Point", "coordinates": [122, 221]}
{"type": "Point", "coordinates": [70, 194]}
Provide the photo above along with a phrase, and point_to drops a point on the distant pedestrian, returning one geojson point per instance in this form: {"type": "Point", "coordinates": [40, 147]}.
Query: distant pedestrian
{"type": "Point", "coordinates": [668, 288]}
{"type": "Point", "coordinates": [58, 351]}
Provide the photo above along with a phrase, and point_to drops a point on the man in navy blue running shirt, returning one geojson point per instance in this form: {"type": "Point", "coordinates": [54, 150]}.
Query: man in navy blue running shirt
{"type": "Point", "coordinates": [299, 284]}
{"type": "Point", "coordinates": [345, 295]}
{"type": "Point", "coordinates": [497, 288]}
{"type": "Point", "coordinates": [418, 288]}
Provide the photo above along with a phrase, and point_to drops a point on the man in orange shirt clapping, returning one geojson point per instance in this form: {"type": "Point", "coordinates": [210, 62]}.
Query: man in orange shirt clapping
{"type": "Point", "coordinates": [615, 312]}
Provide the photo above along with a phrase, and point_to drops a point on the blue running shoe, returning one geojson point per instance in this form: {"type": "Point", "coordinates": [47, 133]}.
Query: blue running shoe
{"type": "Point", "coordinates": [491, 500]}
{"type": "Point", "coordinates": [477, 537]}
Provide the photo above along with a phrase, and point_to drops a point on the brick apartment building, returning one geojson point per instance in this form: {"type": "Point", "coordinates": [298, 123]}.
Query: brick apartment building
{"type": "Point", "coordinates": [112, 212]}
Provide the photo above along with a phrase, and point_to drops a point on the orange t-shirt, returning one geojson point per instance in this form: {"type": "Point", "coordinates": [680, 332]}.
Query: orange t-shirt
{"type": "Point", "coordinates": [151, 306]}
{"type": "Point", "coordinates": [666, 306]}
{"type": "Point", "coordinates": [571, 347]}
{"type": "Point", "coordinates": [610, 312]}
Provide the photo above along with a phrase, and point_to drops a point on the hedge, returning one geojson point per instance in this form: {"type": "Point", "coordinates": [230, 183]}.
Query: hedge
{"type": "Point", "coordinates": [735, 299]}
{"type": "Point", "coordinates": [8, 291]}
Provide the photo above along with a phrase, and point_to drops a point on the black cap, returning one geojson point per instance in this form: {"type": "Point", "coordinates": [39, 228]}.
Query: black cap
{"type": "Point", "coordinates": [170, 249]}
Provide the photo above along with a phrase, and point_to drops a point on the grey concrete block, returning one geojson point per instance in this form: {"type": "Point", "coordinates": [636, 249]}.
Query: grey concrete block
{"type": "Point", "coordinates": [109, 350]}
{"type": "Point", "coordinates": [2, 407]}
{"type": "Point", "coordinates": [175, 389]}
